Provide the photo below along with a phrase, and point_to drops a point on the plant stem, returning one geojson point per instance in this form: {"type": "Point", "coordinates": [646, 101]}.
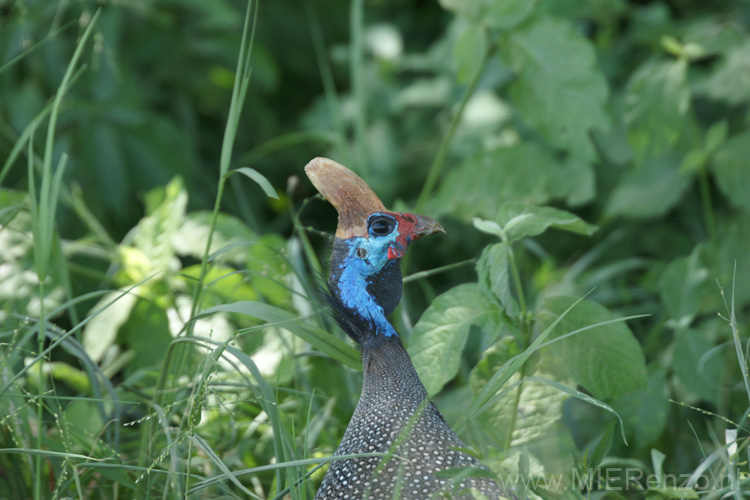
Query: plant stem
{"type": "Point", "coordinates": [514, 412]}
{"type": "Point", "coordinates": [708, 214]}
{"type": "Point", "coordinates": [40, 392]}
{"type": "Point", "coordinates": [356, 68]}
{"type": "Point", "coordinates": [527, 332]}
{"type": "Point", "coordinates": [736, 337]}
{"type": "Point", "coordinates": [437, 165]}
{"type": "Point", "coordinates": [241, 80]}
{"type": "Point", "coordinates": [517, 282]}
{"type": "Point", "coordinates": [430, 272]}
{"type": "Point", "coordinates": [326, 77]}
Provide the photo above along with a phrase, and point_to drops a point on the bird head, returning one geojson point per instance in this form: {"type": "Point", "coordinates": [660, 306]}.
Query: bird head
{"type": "Point", "coordinates": [365, 276]}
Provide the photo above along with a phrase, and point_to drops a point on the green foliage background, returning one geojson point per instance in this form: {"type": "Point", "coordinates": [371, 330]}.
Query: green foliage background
{"type": "Point", "coordinates": [161, 332]}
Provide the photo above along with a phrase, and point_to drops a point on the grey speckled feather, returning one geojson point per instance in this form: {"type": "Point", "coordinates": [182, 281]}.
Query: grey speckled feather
{"type": "Point", "coordinates": [391, 395]}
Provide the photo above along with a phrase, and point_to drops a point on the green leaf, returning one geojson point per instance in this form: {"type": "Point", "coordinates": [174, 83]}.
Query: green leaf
{"type": "Point", "coordinates": [100, 333]}
{"type": "Point", "coordinates": [645, 411]}
{"type": "Point", "coordinates": [270, 269]}
{"type": "Point", "coordinates": [523, 172]}
{"type": "Point", "coordinates": [539, 407]}
{"type": "Point", "coordinates": [716, 135]}
{"type": "Point", "coordinates": [650, 190]}
{"type": "Point", "coordinates": [731, 170]}
{"type": "Point", "coordinates": [468, 52]}
{"type": "Point", "coordinates": [657, 462]}
{"type": "Point", "coordinates": [83, 420]}
{"type": "Point", "coordinates": [519, 220]}
{"type": "Point", "coordinates": [657, 102]}
{"type": "Point", "coordinates": [692, 365]}
{"type": "Point", "coordinates": [492, 269]}
{"type": "Point", "coordinates": [489, 227]}
{"type": "Point", "coordinates": [147, 333]}
{"type": "Point", "coordinates": [225, 284]}
{"type": "Point", "coordinates": [438, 338]}
{"type": "Point", "coordinates": [502, 14]}
{"type": "Point", "coordinates": [505, 14]}
{"type": "Point", "coordinates": [231, 241]}
{"type": "Point", "coordinates": [602, 447]}
{"type": "Point", "coordinates": [259, 179]}
{"type": "Point", "coordinates": [682, 286]}
{"type": "Point", "coordinates": [75, 378]}
{"type": "Point", "coordinates": [489, 391]}
{"type": "Point", "coordinates": [732, 250]}
{"type": "Point", "coordinates": [559, 89]}
{"type": "Point", "coordinates": [152, 238]}
{"type": "Point", "coordinates": [731, 83]}
{"type": "Point", "coordinates": [607, 359]}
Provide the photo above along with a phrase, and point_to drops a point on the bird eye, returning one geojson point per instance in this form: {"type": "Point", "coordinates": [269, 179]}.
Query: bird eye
{"type": "Point", "coordinates": [381, 225]}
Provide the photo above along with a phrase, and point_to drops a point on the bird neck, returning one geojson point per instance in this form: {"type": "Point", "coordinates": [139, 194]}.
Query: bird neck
{"type": "Point", "coordinates": [391, 386]}
{"type": "Point", "coordinates": [364, 291]}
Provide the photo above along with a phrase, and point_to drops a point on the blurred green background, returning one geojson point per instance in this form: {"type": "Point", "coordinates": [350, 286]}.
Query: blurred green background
{"type": "Point", "coordinates": [170, 365]}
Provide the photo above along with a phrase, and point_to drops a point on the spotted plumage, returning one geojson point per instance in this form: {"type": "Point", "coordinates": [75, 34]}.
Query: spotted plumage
{"type": "Point", "coordinates": [394, 415]}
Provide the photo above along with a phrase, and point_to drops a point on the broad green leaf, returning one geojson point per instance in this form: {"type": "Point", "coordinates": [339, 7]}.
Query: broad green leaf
{"type": "Point", "coordinates": [438, 338]}
{"type": "Point", "coordinates": [698, 371]}
{"type": "Point", "coordinates": [494, 277]}
{"type": "Point", "coordinates": [523, 172]}
{"type": "Point", "coordinates": [607, 360]}
{"type": "Point", "coordinates": [645, 411]}
{"type": "Point", "coordinates": [559, 88]}
{"type": "Point", "coordinates": [657, 462]}
{"type": "Point", "coordinates": [731, 170]}
{"type": "Point", "coordinates": [425, 93]}
{"type": "Point", "coordinates": [468, 52]}
{"type": "Point", "coordinates": [503, 14]}
{"type": "Point", "coordinates": [716, 135]}
{"type": "Point", "coordinates": [506, 14]}
{"type": "Point", "coordinates": [224, 281]}
{"type": "Point", "coordinates": [682, 286]}
{"type": "Point", "coordinates": [696, 159]}
{"type": "Point", "coordinates": [147, 333]}
{"type": "Point", "coordinates": [519, 220]}
{"type": "Point", "coordinates": [539, 407]}
{"type": "Point", "coordinates": [731, 82]}
{"type": "Point", "coordinates": [602, 447]}
{"type": "Point", "coordinates": [100, 333]}
{"type": "Point", "coordinates": [269, 268]}
{"type": "Point", "coordinates": [650, 190]}
{"type": "Point", "coordinates": [151, 241]}
{"type": "Point", "coordinates": [731, 251]}
{"type": "Point", "coordinates": [489, 227]}
{"type": "Point", "coordinates": [83, 420]}
{"type": "Point", "coordinates": [231, 242]}
{"type": "Point", "coordinates": [657, 101]}
{"type": "Point", "coordinates": [259, 179]}
{"type": "Point", "coordinates": [75, 378]}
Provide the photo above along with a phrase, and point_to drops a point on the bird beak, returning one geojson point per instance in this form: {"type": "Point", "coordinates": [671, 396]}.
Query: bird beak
{"type": "Point", "coordinates": [425, 226]}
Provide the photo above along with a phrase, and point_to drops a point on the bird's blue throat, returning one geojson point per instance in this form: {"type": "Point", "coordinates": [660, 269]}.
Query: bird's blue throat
{"type": "Point", "coordinates": [366, 283]}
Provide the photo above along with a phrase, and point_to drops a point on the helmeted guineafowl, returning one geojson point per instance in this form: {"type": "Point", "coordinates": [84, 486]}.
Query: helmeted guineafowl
{"type": "Point", "coordinates": [394, 414]}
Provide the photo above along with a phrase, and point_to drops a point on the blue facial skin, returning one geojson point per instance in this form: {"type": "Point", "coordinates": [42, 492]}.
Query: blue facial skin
{"type": "Point", "coordinates": [365, 258]}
